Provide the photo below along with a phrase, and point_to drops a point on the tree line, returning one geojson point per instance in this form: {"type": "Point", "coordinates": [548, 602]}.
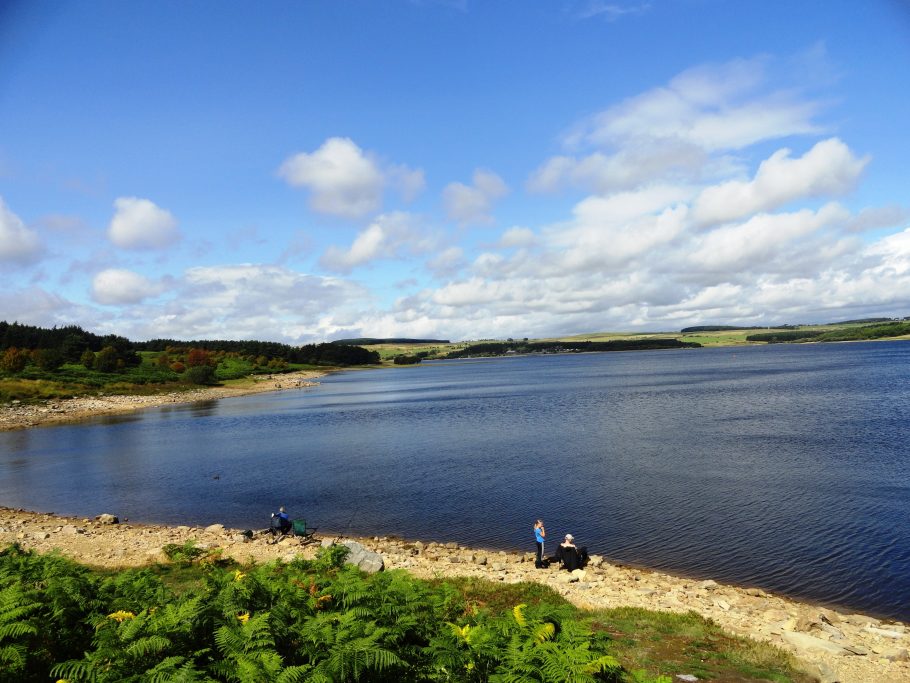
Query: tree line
{"type": "Point", "coordinates": [50, 348]}
{"type": "Point", "coordinates": [522, 347]}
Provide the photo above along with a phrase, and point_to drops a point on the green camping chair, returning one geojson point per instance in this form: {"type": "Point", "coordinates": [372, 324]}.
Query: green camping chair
{"type": "Point", "coordinates": [300, 529]}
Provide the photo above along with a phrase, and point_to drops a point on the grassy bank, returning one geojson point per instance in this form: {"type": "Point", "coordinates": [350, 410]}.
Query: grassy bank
{"type": "Point", "coordinates": [204, 618]}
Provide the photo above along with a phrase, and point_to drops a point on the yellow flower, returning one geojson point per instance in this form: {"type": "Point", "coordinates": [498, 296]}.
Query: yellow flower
{"type": "Point", "coordinates": [243, 618]}
{"type": "Point", "coordinates": [61, 680]}
{"type": "Point", "coordinates": [120, 615]}
{"type": "Point", "coordinates": [239, 575]}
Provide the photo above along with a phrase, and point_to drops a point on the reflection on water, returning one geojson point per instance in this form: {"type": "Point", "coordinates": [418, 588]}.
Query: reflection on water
{"type": "Point", "coordinates": [783, 467]}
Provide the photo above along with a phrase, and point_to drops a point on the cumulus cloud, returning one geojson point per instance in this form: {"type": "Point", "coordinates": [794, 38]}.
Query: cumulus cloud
{"type": "Point", "coordinates": [828, 169]}
{"type": "Point", "coordinates": [36, 306]}
{"type": "Point", "coordinates": [447, 262]}
{"type": "Point", "coordinates": [517, 237]}
{"type": "Point", "coordinates": [116, 286]}
{"type": "Point", "coordinates": [678, 130]}
{"type": "Point", "coordinates": [389, 236]}
{"type": "Point", "coordinates": [751, 244]}
{"type": "Point", "coordinates": [473, 203]}
{"type": "Point", "coordinates": [343, 180]}
{"type": "Point", "coordinates": [18, 244]}
{"type": "Point", "coordinates": [141, 224]}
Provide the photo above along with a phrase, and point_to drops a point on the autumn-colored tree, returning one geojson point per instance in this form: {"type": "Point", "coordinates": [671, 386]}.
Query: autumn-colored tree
{"type": "Point", "coordinates": [198, 357]}
{"type": "Point", "coordinates": [178, 367]}
{"type": "Point", "coordinates": [14, 360]}
{"type": "Point", "coordinates": [164, 361]}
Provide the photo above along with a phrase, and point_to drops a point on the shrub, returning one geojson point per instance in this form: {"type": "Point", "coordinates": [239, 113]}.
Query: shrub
{"type": "Point", "coordinates": [106, 360]}
{"type": "Point", "coordinates": [200, 374]}
{"type": "Point", "coordinates": [48, 359]}
{"type": "Point", "coordinates": [14, 360]}
{"type": "Point", "coordinates": [87, 359]}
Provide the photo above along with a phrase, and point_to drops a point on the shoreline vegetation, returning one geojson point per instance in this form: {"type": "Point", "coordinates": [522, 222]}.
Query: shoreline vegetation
{"type": "Point", "coordinates": [662, 623]}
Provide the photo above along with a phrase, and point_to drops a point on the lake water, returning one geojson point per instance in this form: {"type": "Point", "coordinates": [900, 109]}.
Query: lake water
{"type": "Point", "coordinates": [784, 467]}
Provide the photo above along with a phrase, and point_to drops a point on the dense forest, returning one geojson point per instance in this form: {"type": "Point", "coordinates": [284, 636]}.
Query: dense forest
{"type": "Point", "coordinates": [69, 343]}
{"type": "Point", "coordinates": [504, 348]}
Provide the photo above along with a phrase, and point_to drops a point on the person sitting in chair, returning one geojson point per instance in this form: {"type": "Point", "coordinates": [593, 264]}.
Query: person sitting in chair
{"type": "Point", "coordinates": [280, 521]}
{"type": "Point", "coordinates": [571, 556]}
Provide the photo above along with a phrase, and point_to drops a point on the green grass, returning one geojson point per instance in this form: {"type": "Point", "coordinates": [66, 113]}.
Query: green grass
{"type": "Point", "coordinates": [663, 643]}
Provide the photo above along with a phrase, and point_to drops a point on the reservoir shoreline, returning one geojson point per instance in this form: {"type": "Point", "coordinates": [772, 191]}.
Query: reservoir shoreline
{"type": "Point", "coordinates": [834, 645]}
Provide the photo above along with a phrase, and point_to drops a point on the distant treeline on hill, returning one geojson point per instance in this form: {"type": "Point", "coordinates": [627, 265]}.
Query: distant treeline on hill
{"type": "Point", "coordinates": [880, 331]}
{"type": "Point", "coordinates": [370, 341]}
{"type": "Point", "coordinates": [504, 348]}
{"type": "Point", "coordinates": [72, 341]}
{"type": "Point", "coordinates": [713, 328]}
{"type": "Point", "coordinates": [864, 320]}
{"type": "Point", "coordinates": [728, 328]}
{"type": "Point", "coordinates": [315, 354]}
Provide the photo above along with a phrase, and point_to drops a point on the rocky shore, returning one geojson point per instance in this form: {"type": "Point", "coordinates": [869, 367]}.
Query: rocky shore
{"type": "Point", "coordinates": [834, 645]}
{"type": "Point", "coordinates": [18, 415]}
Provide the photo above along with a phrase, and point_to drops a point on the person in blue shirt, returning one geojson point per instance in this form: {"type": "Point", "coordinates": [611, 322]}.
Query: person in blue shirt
{"type": "Point", "coordinates": [540, 533]}
{"type": "Point", "coordinates": [281, 521]}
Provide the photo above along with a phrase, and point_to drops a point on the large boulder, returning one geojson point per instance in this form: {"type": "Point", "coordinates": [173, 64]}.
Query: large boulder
{"type": "Point", "coordinates": [363, 558]}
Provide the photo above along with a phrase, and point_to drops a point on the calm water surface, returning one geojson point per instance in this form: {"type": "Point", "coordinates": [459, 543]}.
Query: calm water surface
{"type": "Point", "coordinates": [784, 467]}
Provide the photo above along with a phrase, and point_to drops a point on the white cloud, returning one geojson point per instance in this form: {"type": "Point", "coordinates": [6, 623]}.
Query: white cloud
{"type": "Point", "coordinates": [389, 236]}
{"type": "Point", "coordinates": [37, 306]}
{"type": "Point", "coordinates": [713, 107]}
{"type": "Point", "coordinates": [828, 169]}
{"type": "Point", "coordinates": [517, 237]}
{"type": "Point", "coordinates": [872, 218]}
{"type": "Point", "coordinates": [447, 262]}
{"type": "Point", "coordinates": [610, 11]}
{"type": "Point", "coordinates": [140, 224]}
{"type": "Point", "coordinates": [343, 180]}
{"type": "Point", "coordinates": [752, 244]}
{"type": "Point", "coordinates": [679, 131]}
{"type": "Point", "coordinates": [472, 204]}
{"type": "Point", "coordinates": [116, 286]}
{"type": "Point", "coordinates": [410, 182]}
{"type": "Point", "coordinates": [18, 244]}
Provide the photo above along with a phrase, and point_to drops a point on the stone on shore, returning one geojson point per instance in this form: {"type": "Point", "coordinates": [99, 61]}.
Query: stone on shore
{"type": "Point", "coordinates": [363, 558]}
{"type": "Point", "coordinates": [804, 642]}
{"type": "Point", "coordinates": [107, 518]}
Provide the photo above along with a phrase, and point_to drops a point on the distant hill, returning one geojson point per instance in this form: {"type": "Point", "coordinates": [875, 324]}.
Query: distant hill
{"type": "Point", "coordinates": [369, 341]}
{"type": "Point", "coordinates": [713, 328]}
{"type": "Point", "coordinates": [862, 320]}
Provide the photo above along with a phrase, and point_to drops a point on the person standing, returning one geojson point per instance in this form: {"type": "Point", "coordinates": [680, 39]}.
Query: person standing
{"type": "Point", "coordinates": [540, 533]}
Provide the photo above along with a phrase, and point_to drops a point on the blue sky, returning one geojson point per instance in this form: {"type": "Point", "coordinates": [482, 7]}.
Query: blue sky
{"type": "Point", "coordinates": [457, 169]}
